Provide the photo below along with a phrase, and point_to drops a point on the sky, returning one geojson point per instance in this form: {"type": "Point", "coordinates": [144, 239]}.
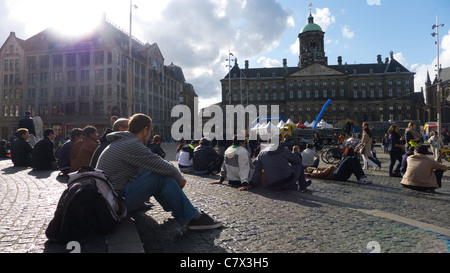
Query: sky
{"type": "Point", "coordinates": [198, 35]}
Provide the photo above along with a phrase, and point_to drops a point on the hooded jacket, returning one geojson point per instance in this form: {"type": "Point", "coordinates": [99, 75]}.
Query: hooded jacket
{"type": "Point", "coordinates": [275, 164]}
{"type": "Point", "coordinates": [237, 165]}
{"type": "Point", "coordinates": [126, 155]}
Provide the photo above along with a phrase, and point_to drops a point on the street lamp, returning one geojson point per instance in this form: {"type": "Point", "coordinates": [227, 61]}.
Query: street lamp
{"type": "Point", "coordinates": [130, 76]}
{"type": "Point", "coordinates": [438, 95]}
{"type": "Point", "coordinates": [229, 75]}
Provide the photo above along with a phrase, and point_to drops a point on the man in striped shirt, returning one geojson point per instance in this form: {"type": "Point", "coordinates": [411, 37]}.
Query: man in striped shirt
{"type": "Point", "coordinates": [138, 174]}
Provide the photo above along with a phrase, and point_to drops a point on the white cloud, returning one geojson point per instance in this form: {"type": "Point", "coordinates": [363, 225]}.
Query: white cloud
{"type": "Point", "coordinates": [374, 2]}
{"type": "Point", "coordinates": [422, 69]}
{"type": "Point", "coordinates": [347, 33]}
{"type": "Point", "coordinates": [295, 48]}
{"type": "Point", "coordinates": [324, 18]}
{"type": "Point", "coordinates": [268, 62]}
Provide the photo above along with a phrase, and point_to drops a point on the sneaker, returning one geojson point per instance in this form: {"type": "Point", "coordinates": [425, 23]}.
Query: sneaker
{"type": "Point", "coordinates": [203, 222]}
{"type": "Point", "coordinates": [303, 187]}
{"type": "Point", "coordinates": [365, 180]}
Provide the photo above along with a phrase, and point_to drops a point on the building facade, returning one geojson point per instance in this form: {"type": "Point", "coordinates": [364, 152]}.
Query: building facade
{"type": "Point", "coordinates": [378, 91]}
{"type": "Point", "coordinates": [72, 82]}
{"type": "Point", "coordinates": [432, 99]}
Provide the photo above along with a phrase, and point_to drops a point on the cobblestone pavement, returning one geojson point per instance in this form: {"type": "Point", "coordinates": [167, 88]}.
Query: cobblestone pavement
{"type": "Point", "coordinates": [336, 217]}
{"type": "Point", "coordinates": [339, 217]}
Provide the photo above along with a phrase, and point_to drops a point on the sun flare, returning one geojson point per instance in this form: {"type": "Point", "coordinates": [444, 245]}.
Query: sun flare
{"type": "Point", "coordinates": [75, 18]}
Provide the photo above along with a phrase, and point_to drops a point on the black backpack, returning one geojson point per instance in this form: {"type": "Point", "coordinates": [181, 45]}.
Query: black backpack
{"type": "Point", "coordinates": [88, 207]}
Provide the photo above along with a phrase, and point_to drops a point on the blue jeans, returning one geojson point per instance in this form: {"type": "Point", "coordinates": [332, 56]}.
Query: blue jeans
{"type": "Point", "coordinates": [350, 165]}
{"type": "Point", "coordinates": [166, 191]}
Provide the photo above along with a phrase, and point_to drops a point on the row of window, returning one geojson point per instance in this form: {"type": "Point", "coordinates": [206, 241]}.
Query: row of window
{"type": "Point", "coordinates": [324, 94]}
{"type": "Point", "coordinates": [324, 83]}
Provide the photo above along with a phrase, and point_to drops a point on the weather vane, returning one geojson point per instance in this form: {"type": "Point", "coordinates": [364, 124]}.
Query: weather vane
{"type": "Point", "coordinates": [310, 6]}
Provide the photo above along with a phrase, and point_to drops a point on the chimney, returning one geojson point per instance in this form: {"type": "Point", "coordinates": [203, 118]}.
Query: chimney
{"type": "Point", "coordinates": [284, 63]}
{"type": "Point", "coordinates": [12, 33]}
{"type": "Point", "coordinates": [387, 60]}
{"type": "Point", "coordinates": [379, 59]}
{"type": "Point", "coordinates": [339, 60]}
{"type": "Point", "coordinates": [246, 64]}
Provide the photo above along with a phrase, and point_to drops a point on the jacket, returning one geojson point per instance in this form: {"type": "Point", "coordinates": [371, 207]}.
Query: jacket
{"type": "Point", "coordinates": [203, 156]}
{"type": "Point", "coordinates": [21, 152]}
{"type": "Point", "coordinates": [365, 146]}
{"type": "Point", "coordinates": [276, 166]}
{"type": "Point", "coordinates": [156, 149]}
{"type": "Point", "coordinates": [64, 154]}
{"type": "Point", "coordinates": [81, 153]}
{"type": "Point", "coordinates": [237, 165]}
{"type": "Point", "coordinates": [126, 155]}
{"type": "Point", "coordinates": [27, 122]}
{"type": "Point", "coordinates": [43, 154]}
{"type": "Point", "coordinates": [185, 156]}
{"type": "Point", "coordinates": [419, 172]}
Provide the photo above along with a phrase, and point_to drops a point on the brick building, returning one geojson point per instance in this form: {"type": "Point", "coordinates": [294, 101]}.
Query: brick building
{"type": "Point", "coordinates": [76, 81]}
{"type": "Point", "coordinates": [378, 91]}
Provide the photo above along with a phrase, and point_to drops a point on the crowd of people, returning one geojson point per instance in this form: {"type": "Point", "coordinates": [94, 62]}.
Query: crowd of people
{"type": "Point", "coordinates": [136, 165]}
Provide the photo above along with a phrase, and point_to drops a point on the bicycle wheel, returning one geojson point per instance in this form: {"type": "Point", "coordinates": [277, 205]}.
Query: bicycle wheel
{"type": "Point", "coordinates": [444, 158]}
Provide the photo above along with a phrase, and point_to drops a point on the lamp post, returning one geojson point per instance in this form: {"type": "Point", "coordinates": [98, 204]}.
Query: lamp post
{"type": "Point", "coordinates": [229, 75]}
{"type": "Point", "coordinates": [130, 73]}
{"type": "Point", "coordinates": [438, 93]}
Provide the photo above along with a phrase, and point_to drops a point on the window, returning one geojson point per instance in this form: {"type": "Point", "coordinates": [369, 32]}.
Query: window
{"type": "Point", "coordinates": [57, 77]}
{"type": "Point", "coordinates": [71, 76]}
{"type": "Point", "coordinates": [355, 94]}
{"type": "Point", "coordinates": [299, 94]}
{"type": "Point", "coordinates": [84, 75]}
{"type": "Point", "coordinates": [71, 60]}
{"type": "Point", "coordinates": [57, 60]}
{"type": "Point", "coordinates": [390, 93]}
{"type": "Point", "coordinates": [274, 96]}
{"type": "Point", "coordinates": [308, 94]}
{"type": "Point", "coordinates": [380, 93]}
{"type": "Point", "coordinates": [99, 57]}
{"type": "Point", "coordinates": [291, 94]}
{"type": "Point", "coordinates": [325, 94]}
{"type": "Point", "coordinates": [85, 59]}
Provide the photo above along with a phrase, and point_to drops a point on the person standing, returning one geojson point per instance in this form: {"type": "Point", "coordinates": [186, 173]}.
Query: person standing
{"type": "Point", "coordinates": [395, 150]}
{"type": "Point", "coordinates": [436, 144]}
{"type": "Point", "coordinates": [44, 153]}
{"type": "Point", "coordinates": [27, 122]}
{"type": "Point", "coordinates": [365, 147]}
{"type": "Point", "coordinates": [412, 136]}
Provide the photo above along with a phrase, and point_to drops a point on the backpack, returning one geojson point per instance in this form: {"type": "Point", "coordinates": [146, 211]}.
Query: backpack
{"type": "Point", "coordinates": [88, 207]}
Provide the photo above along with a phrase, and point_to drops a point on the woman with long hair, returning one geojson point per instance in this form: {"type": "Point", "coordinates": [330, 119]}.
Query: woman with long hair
{"type": "Point", "coordinates": [365, 148]}
{"type": "Point", "coordinates": [395, 150]}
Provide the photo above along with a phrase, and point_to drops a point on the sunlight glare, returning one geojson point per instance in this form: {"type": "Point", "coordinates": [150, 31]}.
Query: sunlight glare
{"type": "Point", "coordinates": [74, 18]}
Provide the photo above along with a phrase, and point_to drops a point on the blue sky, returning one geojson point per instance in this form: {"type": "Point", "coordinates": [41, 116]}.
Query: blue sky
{"type": "Point", "coordinates": [197, 34]}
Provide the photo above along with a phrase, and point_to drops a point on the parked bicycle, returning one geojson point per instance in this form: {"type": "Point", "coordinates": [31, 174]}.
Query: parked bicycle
{"type": "Point", "coordinates": [444, 156]}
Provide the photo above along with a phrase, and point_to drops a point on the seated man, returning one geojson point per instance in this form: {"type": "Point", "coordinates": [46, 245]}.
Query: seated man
{"type": "Point", "coordinates": [422, 172]}
{"type": "Point", "coordinates": [82, 150]}
{"type": "Point", "coordinates": [310, 157]}
{"type": "Point", "coordinates": [206, 158]}
{"type": "Point", "coordinates": [121, 125]}
{"type": "Point", "coordinates": [185, 157]}
{"type": "Point", "coordinates": [237, 167]}
{"type": "Point", "coordinates": [277, 168]}
{"type": "Point", "coordinates": [137, 174]}
{"type": "Point", "coordinates": [155, 146]}
{"type": "Point", "coordinates": [43, 152]}
{"type": "Point", "coordinates": [64, 152]}
{"type": "Point", "coordinates": [21, 150]}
